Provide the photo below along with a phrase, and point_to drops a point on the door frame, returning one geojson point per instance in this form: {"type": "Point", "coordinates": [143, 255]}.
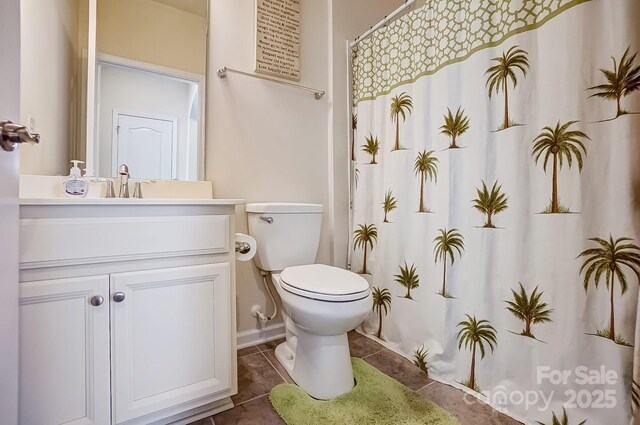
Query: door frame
{"type": "Point", "coordinates": [9, 214]}
{"type": "Point", "coordinates": [103, 59]}
{"type": "Point", "coordinates": [114, 138]}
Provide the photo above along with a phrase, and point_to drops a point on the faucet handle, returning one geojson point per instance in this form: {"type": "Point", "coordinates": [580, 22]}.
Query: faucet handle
{"type": "Point", "coordinates": [111, 193]}
{"type": "Point", "coordinates": [137, 188]}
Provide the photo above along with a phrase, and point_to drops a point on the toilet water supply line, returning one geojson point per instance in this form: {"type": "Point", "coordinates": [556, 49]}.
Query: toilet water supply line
{"type": "Point", "coordinates": [255, 310]}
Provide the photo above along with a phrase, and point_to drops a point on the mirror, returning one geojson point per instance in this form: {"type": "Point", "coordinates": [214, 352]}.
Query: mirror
{"type": "Point", "coordinates": [151, 62]}
{"type": "Point", "coordinates": [136, 96]}
{"type": "Point", "coordinates": [54, 46]}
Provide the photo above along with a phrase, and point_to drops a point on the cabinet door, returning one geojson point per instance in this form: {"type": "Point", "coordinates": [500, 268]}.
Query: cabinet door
{"type": "Point", "coordinates": [170, 338]}
{"type": "Point", "coordinates": [64, 352]}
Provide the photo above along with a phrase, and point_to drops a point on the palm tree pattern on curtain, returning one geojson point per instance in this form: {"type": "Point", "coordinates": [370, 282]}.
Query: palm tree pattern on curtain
{"type": "Point", "coordinates": [401, 106]}
{"type": "Point", "coordinates": [609, 259]}
{"type": "Point", "coordinates": [372, 147]}
{"type": "Point", "coordinates": [561, 420]}
{"type": "Point", "coordinates": [490, 202]}
{"type": "Point", "coordinates": [455, 126]}
{"type": "Point", "coordinates": [515, 158]}
{"type": "Point", "coordinates": [381, 303]}
{"type": "Point", "coordinates": [389, 204]}
{"type": "Point", "coordinates": [365, 236]}
{"type": "Point", "coordinates": [622, 80]}
{"type": "Point", "coordinates": [426, 166]}
{"type": "Point", "coordinates": [354, 127]}
{"type": "Point", "coordinates": [476, 335]}
{"type": "Point", "coordinates": [408, 278]}
{"type": "Point", "coordinates": [448, 242]}
{"type": "Point", "coordinates": [558, 144]}
{"type": "Point", "coordinates": [420, 359]}
{"type": "Point", "coordinates": [529, 308]}
{"type": "Point", "coordinates": [505, 70]}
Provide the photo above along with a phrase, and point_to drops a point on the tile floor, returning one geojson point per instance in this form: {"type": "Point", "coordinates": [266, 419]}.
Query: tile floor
{"type": "Point", "coordinates": [259, 371]}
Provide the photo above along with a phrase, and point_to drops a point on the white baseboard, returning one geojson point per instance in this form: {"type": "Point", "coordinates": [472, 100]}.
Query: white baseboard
{"type": "Point", "coordinates": [259, 336]}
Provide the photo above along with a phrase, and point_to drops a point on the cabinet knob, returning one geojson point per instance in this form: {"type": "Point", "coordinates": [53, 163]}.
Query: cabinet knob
{"type": "Point", "coordinates": [96, 300]}
{"type": "Point", "coordinates": [118, 297]}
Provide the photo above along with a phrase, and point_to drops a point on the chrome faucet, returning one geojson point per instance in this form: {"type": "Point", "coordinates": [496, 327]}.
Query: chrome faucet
{"type": "Point", "coordinates": [123, 171]}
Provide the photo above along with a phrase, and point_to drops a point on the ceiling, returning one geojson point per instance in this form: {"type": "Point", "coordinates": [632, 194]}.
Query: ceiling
{"type": "Point", "coordinates": [198, 7]}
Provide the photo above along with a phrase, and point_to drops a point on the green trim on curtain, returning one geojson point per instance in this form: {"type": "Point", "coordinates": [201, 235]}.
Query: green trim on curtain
{"type": "Point", "coordinates": [371, 53]}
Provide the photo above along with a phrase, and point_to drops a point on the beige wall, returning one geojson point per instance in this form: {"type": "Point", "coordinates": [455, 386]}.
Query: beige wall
{"type": "Point", "coordinates": [267, 142]}
{"type": "Point", "coordinates": [50, 82]}
{"type": "Point", "coordinates": [151, 32]}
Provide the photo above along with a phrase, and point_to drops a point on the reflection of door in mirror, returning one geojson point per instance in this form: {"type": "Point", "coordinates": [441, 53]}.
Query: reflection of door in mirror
{"type": "Point", "coordinates": [163, 111]}
{"type": "Point", "coordinates": [146, 144]}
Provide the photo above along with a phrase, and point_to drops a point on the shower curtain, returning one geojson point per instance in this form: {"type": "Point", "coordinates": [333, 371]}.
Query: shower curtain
{"type": "Point", "coordinates": [494, 209]}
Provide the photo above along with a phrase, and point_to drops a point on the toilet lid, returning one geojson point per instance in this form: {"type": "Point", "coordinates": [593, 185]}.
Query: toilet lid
{"type": "Point", "coordinates": [324, 282]}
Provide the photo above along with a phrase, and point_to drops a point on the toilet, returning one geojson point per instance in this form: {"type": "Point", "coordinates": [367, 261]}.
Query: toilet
{"type": "Point", "coordinates": [321, 303]}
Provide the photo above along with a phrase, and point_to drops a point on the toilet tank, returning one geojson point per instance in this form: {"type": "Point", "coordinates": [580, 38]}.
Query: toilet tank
{"type": "Point", "coordinates": [287, 234]}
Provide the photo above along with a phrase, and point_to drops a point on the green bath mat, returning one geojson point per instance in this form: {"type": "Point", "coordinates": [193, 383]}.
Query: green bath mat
{"type": "Point", "coordinates": [375, 400]}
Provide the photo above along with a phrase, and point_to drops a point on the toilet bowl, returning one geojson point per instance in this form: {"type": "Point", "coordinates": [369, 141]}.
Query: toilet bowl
{"type": "Point", "coordinates": [321, 303]}
{"type": "Point", "coordinates": [316, 352]}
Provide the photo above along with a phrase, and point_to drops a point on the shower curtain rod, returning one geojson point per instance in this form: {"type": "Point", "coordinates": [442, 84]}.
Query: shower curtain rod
{"type": "Point", "coordinates": [384, 21]}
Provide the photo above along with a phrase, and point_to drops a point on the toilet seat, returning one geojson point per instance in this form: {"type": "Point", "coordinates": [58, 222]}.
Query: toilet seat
{"type": "Point", "coordinates": [324, 283]}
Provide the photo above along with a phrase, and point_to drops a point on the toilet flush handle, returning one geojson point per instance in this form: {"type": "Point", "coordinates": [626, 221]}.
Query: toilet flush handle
{"type": "Point", "coordinates": [267, 219]}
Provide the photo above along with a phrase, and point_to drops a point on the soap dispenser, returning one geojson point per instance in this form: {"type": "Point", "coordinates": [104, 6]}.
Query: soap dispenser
{"type": "Point", "coordinates": [75, 186]}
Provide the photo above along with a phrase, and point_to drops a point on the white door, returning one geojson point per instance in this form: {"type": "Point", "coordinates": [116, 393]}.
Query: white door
{"type": "Point", "coordinates": [9, 167]}
{"type": "Point", "coordinates": [146, 144]}
{"type": "Point", "coordinates": [64, 352]}
{"type": "Point", "coordinates": [169, 338]}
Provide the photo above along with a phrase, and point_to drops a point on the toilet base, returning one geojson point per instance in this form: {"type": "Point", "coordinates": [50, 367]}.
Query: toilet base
{"type": "Point", "coordinates": [320, 365]}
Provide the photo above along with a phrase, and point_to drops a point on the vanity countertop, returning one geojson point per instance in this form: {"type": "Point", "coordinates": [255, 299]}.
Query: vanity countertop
{"type": "Point", "coordinates": [129, 201]}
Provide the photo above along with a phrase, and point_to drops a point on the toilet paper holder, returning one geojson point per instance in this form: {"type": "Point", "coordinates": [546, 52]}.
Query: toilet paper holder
{"type": "Point", "coordinates": [242, 247]}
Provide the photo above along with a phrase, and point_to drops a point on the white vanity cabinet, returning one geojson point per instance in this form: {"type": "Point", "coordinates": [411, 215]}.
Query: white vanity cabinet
{"type": "Point", "coordinates": [64, 352]}
{"type": "Point", "coordinates": [170, 338]}
{"type": "Point", "coordinates": [127, 312]}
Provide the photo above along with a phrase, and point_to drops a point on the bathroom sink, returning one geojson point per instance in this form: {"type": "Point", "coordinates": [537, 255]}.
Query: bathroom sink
{"type": "Point", "coordinates": [47, 190]}
{"type": "Point", "coordinates": [94, 208]}
{"type": "Point", "coordinates": [128, 201]}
